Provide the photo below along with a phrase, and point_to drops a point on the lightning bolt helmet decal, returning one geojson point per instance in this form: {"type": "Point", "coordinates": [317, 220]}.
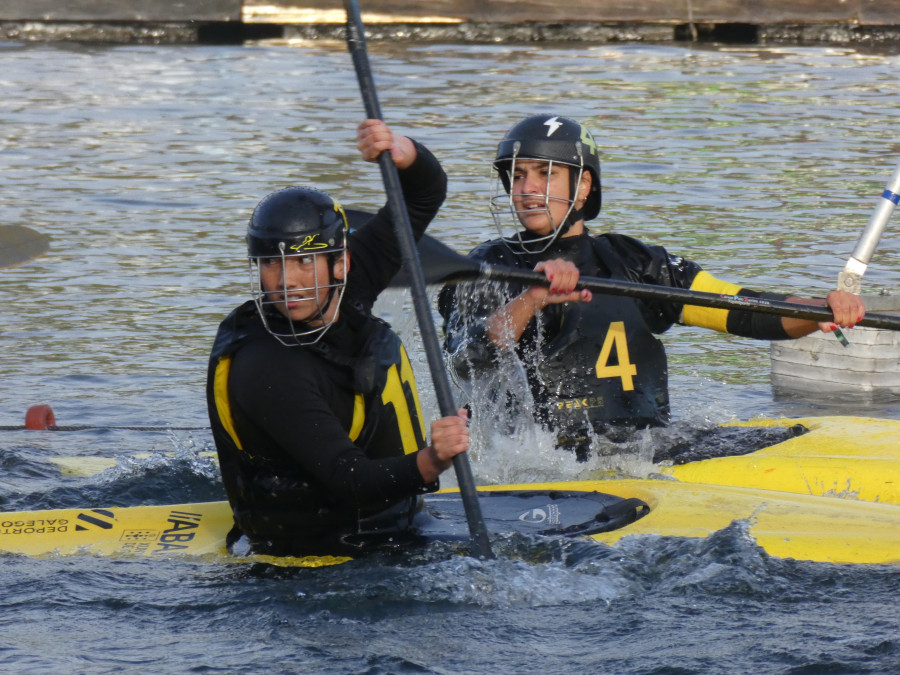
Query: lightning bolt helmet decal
{"type": "Point", "coordinates": [552, 125]}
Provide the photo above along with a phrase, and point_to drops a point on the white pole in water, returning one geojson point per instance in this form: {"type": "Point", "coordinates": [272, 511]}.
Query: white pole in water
{"type": "Point", "coordinates": [850, 279]}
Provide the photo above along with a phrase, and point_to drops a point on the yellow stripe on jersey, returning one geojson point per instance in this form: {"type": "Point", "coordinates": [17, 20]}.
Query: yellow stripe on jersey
{"type": "Point", "coordinates": [707, 317]}
{"type": "Point", "coordinates": [359, 416]}
{"type": "Point", "coordinates": [223, 405]}
{"type": "Point", "coordinates": [397, 395]}
{"type": "Point", "coordinates": [408, 376]}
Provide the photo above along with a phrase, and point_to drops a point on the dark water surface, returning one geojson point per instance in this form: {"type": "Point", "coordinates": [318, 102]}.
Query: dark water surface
{"type": "Point", "coordinates": [143, 164]}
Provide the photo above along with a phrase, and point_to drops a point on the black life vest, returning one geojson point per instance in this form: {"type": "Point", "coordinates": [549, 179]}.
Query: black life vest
{"type": "Point", "coordinates": [603, 366]}
{"type": "Point", "coordinates": [273, 503]}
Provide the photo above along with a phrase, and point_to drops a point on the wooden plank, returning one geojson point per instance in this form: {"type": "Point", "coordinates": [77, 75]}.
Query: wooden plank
{"type": "Point", "coordinates": [378, 12]}
{"type": "Point", "coordinates": [139, 11]}
{"type": "Point", "coordinates": [756, 12]}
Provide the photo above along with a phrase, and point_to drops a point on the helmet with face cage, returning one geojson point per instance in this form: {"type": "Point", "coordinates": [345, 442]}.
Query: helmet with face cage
{"type": "Point", "coordinates": [297, 222]}
{"type": "Point", "coordinates": [552, 139]}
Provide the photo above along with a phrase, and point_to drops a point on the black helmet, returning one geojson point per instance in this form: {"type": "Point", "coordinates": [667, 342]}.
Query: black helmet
{"type": "Point", "coordinates": [557, 139]}
{"type": "Point", "coordinates": [296, 220]}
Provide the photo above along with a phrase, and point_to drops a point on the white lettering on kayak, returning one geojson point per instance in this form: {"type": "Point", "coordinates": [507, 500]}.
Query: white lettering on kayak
{"type": "Point", "coordinates": [538, 516]}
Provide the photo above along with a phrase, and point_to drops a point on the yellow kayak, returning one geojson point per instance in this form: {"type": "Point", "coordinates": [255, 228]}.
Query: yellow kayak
{"type": "Point", "coordinates": [785, 525]}
{"type": "Point", "coordinates": [829, 495]}
{"type": "Point", "coordinates": [845, 457]}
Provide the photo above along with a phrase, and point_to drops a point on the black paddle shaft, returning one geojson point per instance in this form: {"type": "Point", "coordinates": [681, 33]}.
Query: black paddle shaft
{"type": "Point", "coordinates": [403, 230]}
{"type": "Point", "coordinates": [447, 266]}
{"type": "Point", "coordinates": [698, 298]}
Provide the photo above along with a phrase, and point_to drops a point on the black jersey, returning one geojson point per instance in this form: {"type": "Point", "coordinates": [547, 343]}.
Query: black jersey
{"type": "Point", "coordinates": [588, 365]}
{"type": "Point", "coordinates": [313, 440]}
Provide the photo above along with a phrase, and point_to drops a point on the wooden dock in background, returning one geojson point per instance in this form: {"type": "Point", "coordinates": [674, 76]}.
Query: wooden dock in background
{"type": "Point", "coordinates": [847, 12]}
{"type": "Point", "coordinates": [755, 21]}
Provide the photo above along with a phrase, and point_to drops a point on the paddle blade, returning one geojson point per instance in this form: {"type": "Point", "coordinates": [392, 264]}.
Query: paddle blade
{"type": "Point", "coordinates": [440, 264]}
{"type": "Point", "coordinates": [19, 244]}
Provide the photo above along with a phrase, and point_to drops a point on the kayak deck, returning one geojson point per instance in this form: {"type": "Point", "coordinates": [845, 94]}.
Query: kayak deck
{"type": "Point", "coordinates": [840, 456]}
{"type": "Point", "coordinates": [846, 457]}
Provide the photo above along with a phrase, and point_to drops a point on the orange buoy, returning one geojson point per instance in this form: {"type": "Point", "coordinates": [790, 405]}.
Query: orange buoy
{"type": "Point", "coordinates": [39, 417]}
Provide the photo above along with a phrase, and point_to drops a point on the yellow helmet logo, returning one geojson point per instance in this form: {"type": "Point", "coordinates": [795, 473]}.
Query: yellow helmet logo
{"type": "Point", "coordinates": [310, 243]}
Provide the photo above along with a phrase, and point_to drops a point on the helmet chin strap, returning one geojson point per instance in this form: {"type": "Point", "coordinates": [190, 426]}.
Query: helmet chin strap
{"type": "Point", "coordinates": [575, 213]}
{"type": "Point", "coordinates": [332, 283]}
{"type": "Point", "coordinates": [322, 309]}
{"type": "Point", "coordinates": [574, 216]}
